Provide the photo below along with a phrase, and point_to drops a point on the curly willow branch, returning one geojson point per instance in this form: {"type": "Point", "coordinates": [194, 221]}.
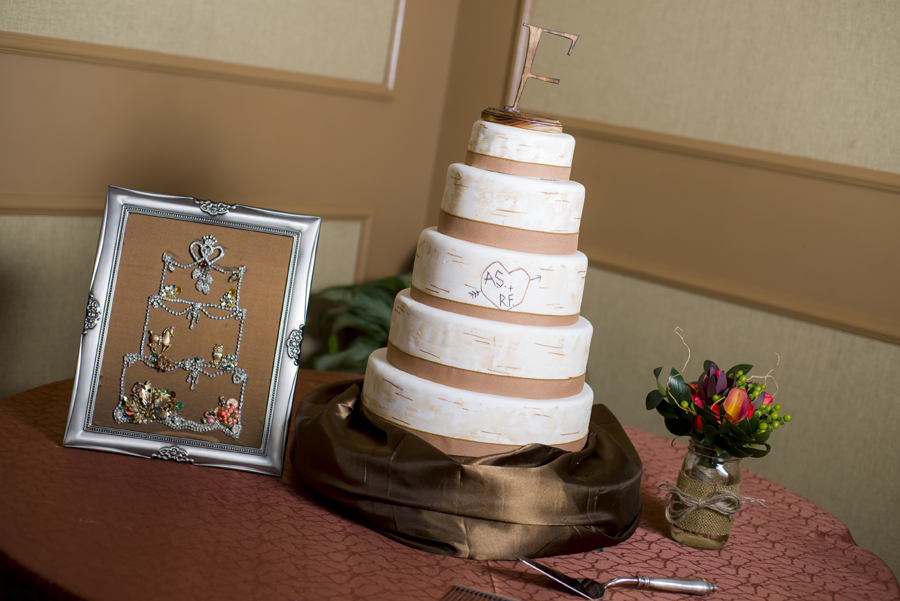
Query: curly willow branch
{"type": "Point", "coordinates": [678, 331]}
{"type": "Point", "coordinates": [768, 375]}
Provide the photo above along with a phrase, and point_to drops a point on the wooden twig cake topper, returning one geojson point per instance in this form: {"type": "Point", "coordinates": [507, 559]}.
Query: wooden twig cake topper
{"type": "Point", "coordinates": [511, 115]}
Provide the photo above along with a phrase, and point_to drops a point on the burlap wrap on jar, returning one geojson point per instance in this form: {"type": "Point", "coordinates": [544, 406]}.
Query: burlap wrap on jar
{"type": "Point", "coordinates": [701, 520]}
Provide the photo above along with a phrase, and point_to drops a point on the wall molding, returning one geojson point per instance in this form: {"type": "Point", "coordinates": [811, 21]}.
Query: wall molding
{"type": "Point", "coordinates": [836, 172]}
{"type": "Point", "coordinates": [770, 301]}
{"type": "Point", "coordinates": [35, 205]}
{"type": "Point", "coordinates": [48, 47]}
{"type": "Point", "coordinates": [52, 205]}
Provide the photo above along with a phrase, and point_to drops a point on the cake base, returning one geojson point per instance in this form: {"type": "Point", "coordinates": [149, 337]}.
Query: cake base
{"type": "Point", "coordinates": [535, 501]}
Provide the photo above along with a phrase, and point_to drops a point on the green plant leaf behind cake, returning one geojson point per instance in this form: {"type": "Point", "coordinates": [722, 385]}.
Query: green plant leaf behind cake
{"type": "Point", "coordinates": [357, 322]}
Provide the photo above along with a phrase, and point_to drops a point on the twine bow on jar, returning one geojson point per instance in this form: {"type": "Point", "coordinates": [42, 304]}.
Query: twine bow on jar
{"type": "Point", "coordinates": [724, 502]}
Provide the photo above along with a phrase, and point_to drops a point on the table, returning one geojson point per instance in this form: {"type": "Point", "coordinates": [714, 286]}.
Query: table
{"type": "Point", "coordinates": [87, 524]}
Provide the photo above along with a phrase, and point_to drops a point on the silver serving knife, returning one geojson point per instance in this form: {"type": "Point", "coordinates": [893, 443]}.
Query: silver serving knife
{"type": "Point", "coordinates": [591, 589]}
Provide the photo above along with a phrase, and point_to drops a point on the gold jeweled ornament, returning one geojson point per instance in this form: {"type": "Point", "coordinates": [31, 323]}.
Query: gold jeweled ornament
{"type": "Point", "coordinates": [511, 115]}
{"type": "Point", "coordinates": [158, 345]}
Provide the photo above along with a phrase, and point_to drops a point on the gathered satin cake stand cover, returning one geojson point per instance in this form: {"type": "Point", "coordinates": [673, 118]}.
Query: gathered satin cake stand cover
{"type": "Point", "coordinates": [535, 500]}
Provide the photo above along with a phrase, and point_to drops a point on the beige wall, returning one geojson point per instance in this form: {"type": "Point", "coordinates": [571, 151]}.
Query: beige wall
{"type": "Point", "coordinates": [808, 79]}
{"type": "Point", "coordinates": [338, 38]}
{"type": "Point", "coordinates": [841, 450]}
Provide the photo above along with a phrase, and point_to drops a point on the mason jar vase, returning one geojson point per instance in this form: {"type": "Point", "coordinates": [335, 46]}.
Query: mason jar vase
{"type": "Point", "coordinates": [704, 473]}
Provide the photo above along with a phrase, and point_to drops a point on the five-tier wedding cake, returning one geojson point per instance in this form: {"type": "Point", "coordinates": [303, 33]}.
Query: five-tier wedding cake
{"type": "Point", "coordinates": [487, 350]}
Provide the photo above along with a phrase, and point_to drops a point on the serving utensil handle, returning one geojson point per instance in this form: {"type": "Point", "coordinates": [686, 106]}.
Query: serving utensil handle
{"type": "Point", "coordinates": [692, 586]}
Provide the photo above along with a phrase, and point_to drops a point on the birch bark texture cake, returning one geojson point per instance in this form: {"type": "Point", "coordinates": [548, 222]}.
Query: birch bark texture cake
{"type": "Point", "coordinates": [487, 350]}
{"type": "Point", "coordinates": [486, 355]}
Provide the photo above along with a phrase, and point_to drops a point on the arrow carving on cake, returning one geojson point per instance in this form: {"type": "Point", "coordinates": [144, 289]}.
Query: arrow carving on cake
{"type": "Point", "coordinates": [503, 288]}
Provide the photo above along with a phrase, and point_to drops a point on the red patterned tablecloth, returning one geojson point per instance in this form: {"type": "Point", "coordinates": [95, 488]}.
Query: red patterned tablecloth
{"type": "Point", "coordinates": [76, 523]}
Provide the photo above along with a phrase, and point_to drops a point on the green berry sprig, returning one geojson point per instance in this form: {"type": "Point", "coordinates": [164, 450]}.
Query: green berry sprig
{"type": "Point", "coordinates": [770, 417]}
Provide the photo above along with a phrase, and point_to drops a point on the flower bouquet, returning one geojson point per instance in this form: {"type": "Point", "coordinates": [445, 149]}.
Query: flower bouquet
{"type": "Point", "coordinates": [728, 417]}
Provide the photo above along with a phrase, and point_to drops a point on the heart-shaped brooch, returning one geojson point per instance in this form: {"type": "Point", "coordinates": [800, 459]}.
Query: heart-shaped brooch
{"type": "Point", "coordinates": [205, 253]}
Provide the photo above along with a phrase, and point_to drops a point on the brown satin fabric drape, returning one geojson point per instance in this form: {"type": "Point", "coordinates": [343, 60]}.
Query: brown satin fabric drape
{"type": "Point", "coordinates": [534, 501]}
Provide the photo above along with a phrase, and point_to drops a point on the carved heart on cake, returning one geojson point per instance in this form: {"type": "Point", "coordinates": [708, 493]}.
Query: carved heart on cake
{"type": "Point", "coordinates": [503, 288]}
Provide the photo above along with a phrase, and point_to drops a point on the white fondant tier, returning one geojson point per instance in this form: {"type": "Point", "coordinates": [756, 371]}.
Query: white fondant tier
{"type": "Point", "coordinates": [499, 284]}
{"type": "Point", "coordinates": [526, 203]}
{"type": "Point", "coordinates": [489, 347]}
{"type": "Point", "coordinates": [423, 405]}
{"type": "Point", "coordinates": [521, 145]}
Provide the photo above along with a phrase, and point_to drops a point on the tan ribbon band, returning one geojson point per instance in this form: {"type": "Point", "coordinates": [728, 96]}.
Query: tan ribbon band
{"type": "Point", "coordinates": [510, 238]}
{"type": "Point", "coordinates": [469, 448]}
{"type": "Point", "coordinates": [509, 386]}
{"type": "Point", "coordinates": [510, 167]}
{"type": "Point", "coordinates": [489, 313]}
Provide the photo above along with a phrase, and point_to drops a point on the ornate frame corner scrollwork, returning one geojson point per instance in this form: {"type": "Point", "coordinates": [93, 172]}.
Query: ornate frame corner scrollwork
{"type": "Point", "coordinates": [214, 208]}
{"type": "Point", "coordinates": [93, 314]}
{"type": "Point", "coordinates": [173, 454]}
{"type": "Point", "coordinates": [293, 344]}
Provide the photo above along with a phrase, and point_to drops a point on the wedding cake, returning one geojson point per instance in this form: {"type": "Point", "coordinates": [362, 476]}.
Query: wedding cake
{"type": "Point", "coordinates": [487, 350]}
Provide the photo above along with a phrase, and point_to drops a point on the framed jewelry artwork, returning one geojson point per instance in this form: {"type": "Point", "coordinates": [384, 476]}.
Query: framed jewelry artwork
{"type": "Point", "coordinates": [191, 341]}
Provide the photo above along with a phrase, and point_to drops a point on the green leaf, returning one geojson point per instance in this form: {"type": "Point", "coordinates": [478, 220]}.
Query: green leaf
{"type": "Point", "coordinates": [373, 299]}
{"type": "Point", "coordinates": [394, 283]}
{"type": "Point", "coordinates": [676, 427]}
{"type": "Point", "coordinates": [654, 398]}
{"type": "Point", "coordinates": [740, 367]}
{"type": "Point", "coordinates": [758, 452]}
{"type": "Point", "coordinates": [762, 437]}
{"type": "Point", "coordinates": [659, 386]}
{"type": "Point", "coordinates": [735, 431]}
{"type": "Point", "coordinates": [353, 321]}
{"type": "Point", "coordinates": [677, 387]}
{"type": "Point", "coordinates": [754, 423]}
{"type": "Point", "coordinates": [667, 410]}
{"type": "Point", "coordinates": [705, 414]}
{"type": "Point", "coordinates": [353, 359]}
{"type": "Point", "coordinates": [736, 451]}
{"type": "Point", "coordinates": [706, 365]}
{"type": "Point", "coordinates": [710, 431]}
{"type": "Point", "coordinates": [366, 308]}
{"type": "Point", "coordinates": [340, 295]}
{"type": "Point", "coordinates": [373, 309]}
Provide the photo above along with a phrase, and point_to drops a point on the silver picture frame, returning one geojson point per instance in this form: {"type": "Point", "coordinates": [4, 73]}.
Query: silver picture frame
{"type": "Point", "coordinates": [158, 429]}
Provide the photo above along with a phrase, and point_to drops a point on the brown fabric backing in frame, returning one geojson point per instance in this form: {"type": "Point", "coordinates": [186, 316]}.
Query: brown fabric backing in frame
{"type": "Point", "coordinates": [535, 501]}
{"type": "Point", "coordinates": [267, 258]}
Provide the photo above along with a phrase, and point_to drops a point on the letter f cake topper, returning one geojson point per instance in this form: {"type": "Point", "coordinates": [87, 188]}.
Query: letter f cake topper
{"type": "Point", "coordinates": [534, 38]}
{"type": "Point", "coordinates": [511, 115]}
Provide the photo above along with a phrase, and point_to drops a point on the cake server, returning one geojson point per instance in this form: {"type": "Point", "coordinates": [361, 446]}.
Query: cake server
{"type": "Point", "coordinates": [591, 589]}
